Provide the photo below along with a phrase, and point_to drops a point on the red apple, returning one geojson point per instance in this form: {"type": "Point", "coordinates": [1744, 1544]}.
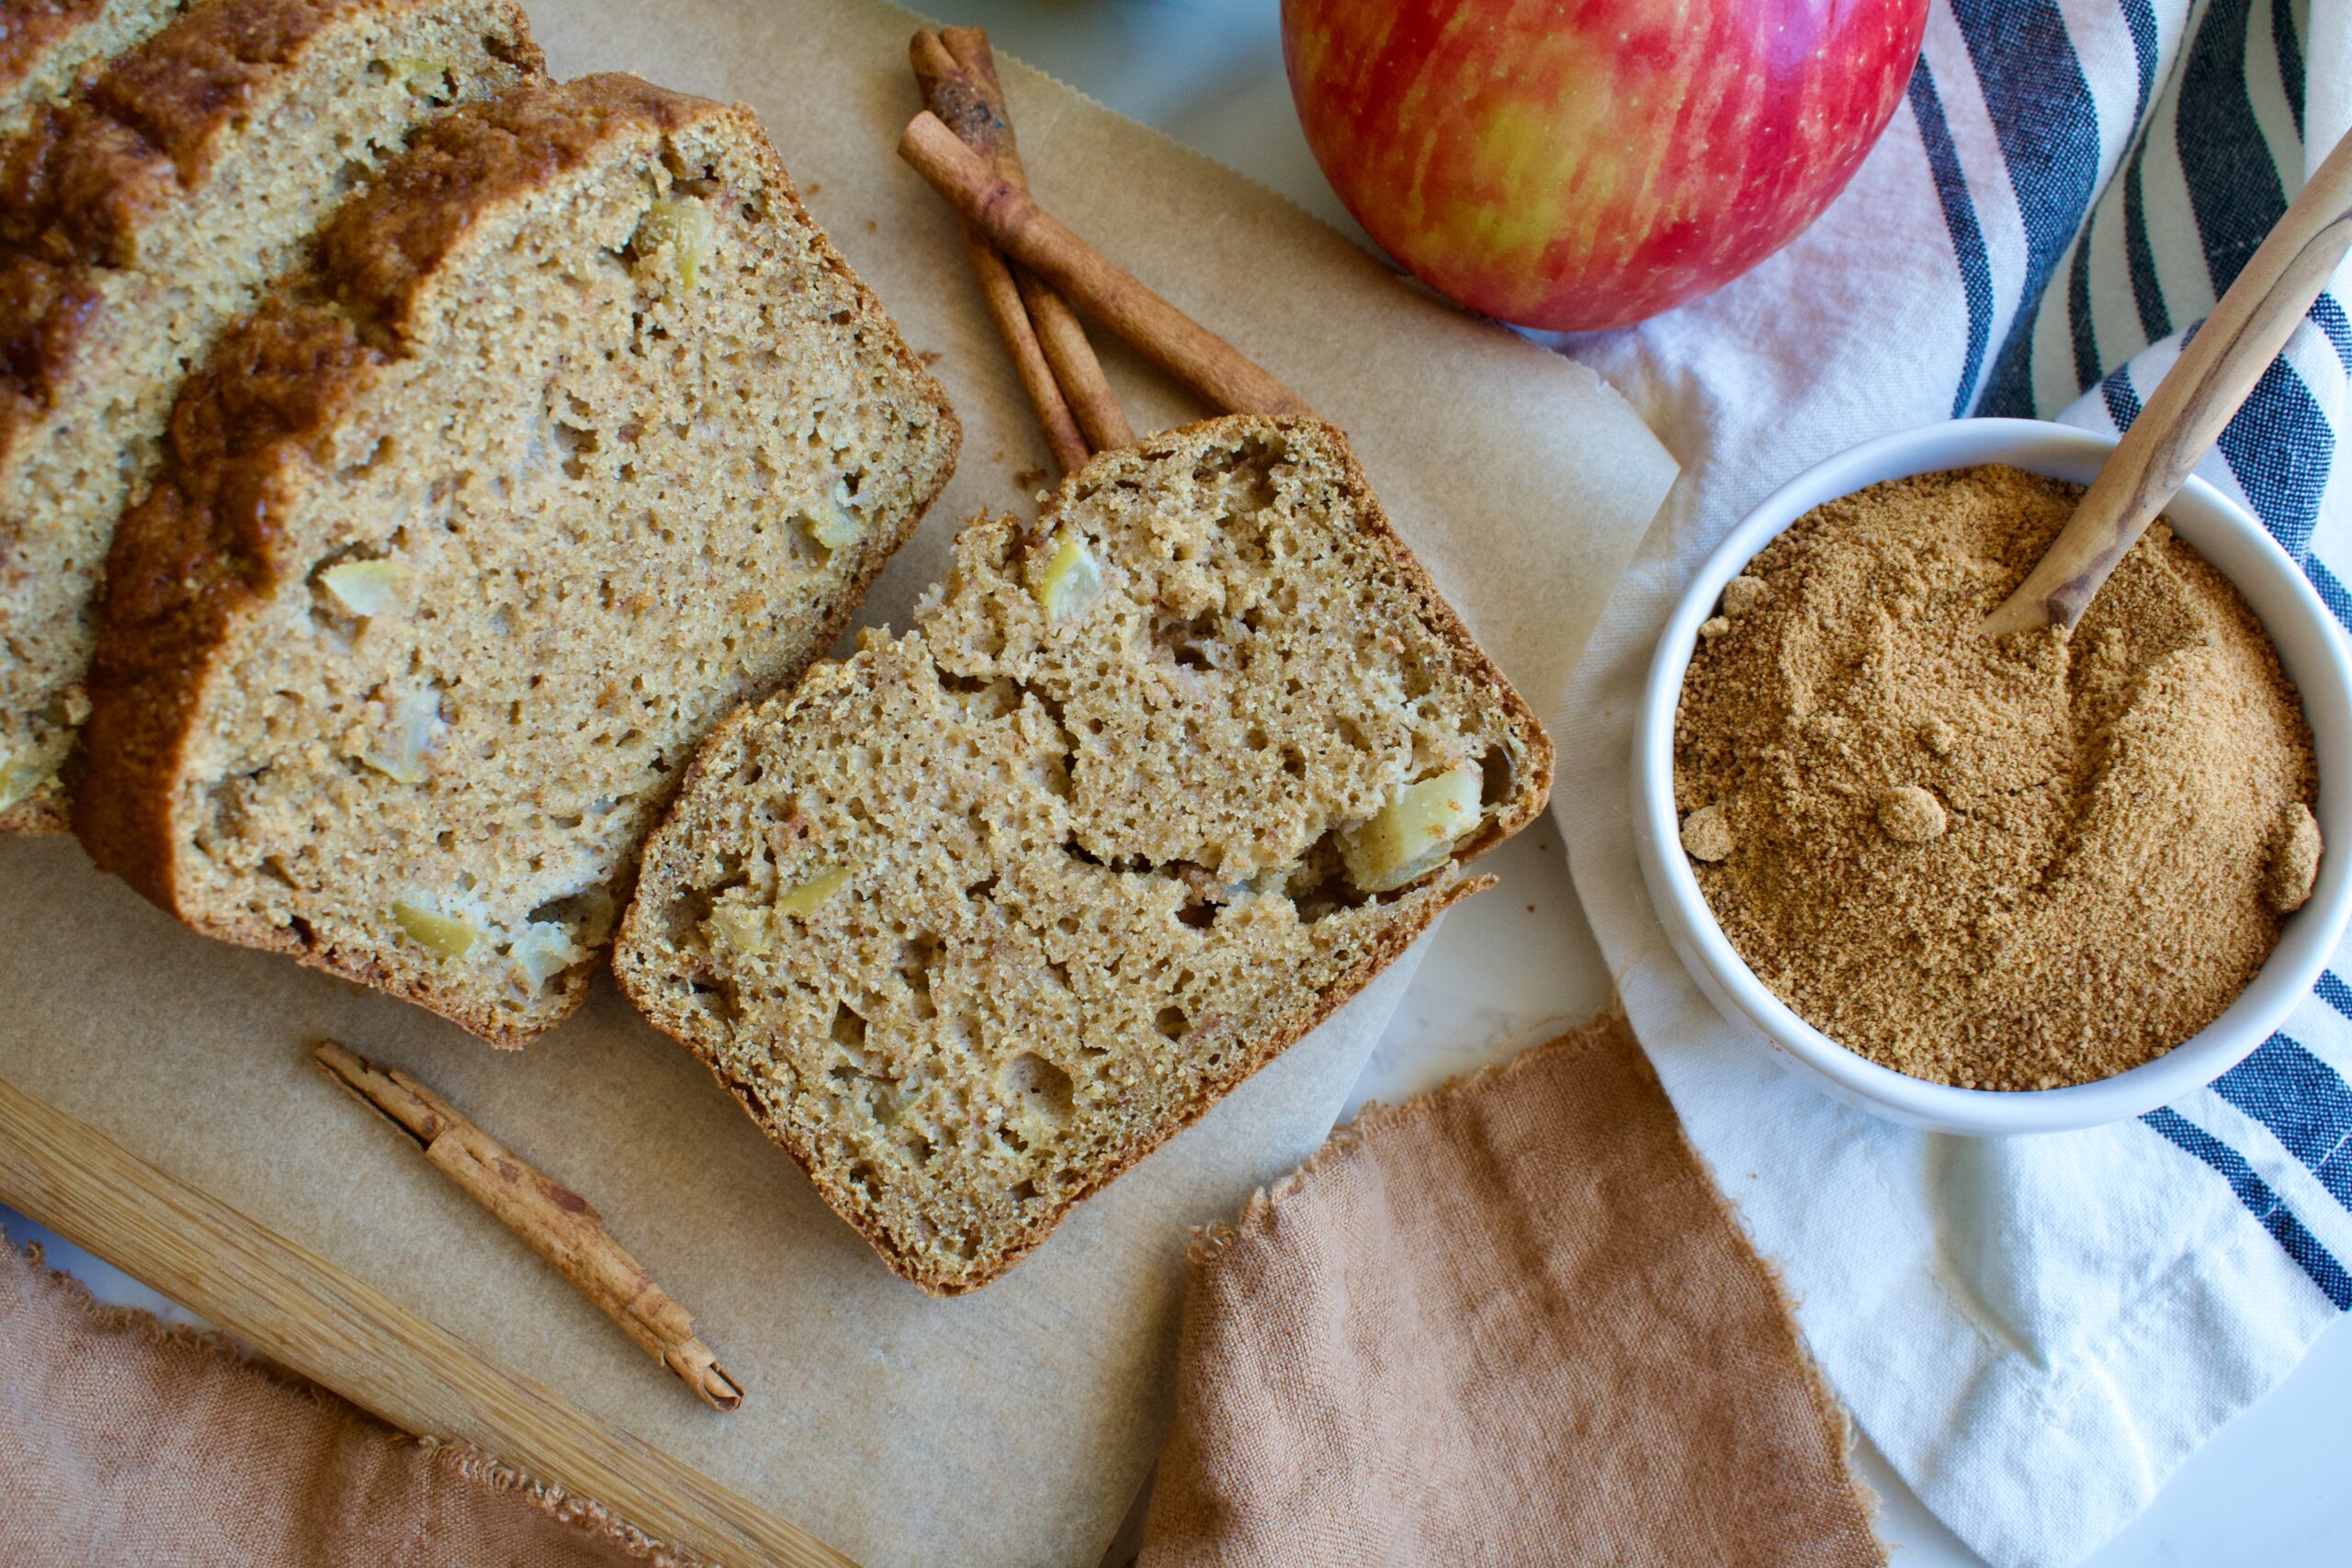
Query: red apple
{"type": "Point", "coordinates": [1585, 164]}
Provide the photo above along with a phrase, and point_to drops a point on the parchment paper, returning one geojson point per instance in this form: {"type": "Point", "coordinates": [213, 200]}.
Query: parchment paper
{"type": "Point", "coordinates": [1013, 1425]}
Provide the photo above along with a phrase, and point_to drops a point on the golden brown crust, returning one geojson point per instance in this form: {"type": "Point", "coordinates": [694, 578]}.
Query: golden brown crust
{"type": "Point", "coordinates": [375, 252]}
{"type": "Point", "coordinates": [202, 546]}
{"type": "Point", "coordinates": [197, 549]}
{"type": "Point", "coordinates": [187, 557]}
{"type": "Point", "coordinates": [77, 185]}
{"type": "Point", "coordinates": [47, 293]}
{"type": "Point", "coordinates": [48, 47]}
{"type": "Point", "coordinates": [42, 309]}
{"type": "Point", "coordinates": [30, 29]}
{"type": "Point", "coordinates": [83, 176]}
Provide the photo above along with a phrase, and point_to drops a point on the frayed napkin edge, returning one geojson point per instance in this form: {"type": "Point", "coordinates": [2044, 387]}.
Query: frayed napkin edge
{"type": "Point", "coordinates": [475, 1465]}
{"type": "Point", "coordinates": [1211, 1244]}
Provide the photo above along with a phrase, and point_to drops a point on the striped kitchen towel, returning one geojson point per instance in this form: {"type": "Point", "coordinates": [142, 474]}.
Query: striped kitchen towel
{"type": "Point", "coordinates": [2036, 1331]}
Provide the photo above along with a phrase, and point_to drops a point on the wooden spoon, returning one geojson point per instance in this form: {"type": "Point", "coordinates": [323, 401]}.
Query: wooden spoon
{"type": "Point", "coordinates": [2193, 403]}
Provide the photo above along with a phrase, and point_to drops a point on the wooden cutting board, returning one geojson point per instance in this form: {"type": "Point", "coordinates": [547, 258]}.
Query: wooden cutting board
{"type": "Point", "coordinates": [335, 1330]}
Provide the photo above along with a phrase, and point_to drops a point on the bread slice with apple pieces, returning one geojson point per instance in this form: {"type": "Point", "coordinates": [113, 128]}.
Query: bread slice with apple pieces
{"type": "Point", "coordinates": [136, 223]}
{"type": "Point", "coordinates": [576, 432]}
{"type": "Point", "coordinates": [972, 920]}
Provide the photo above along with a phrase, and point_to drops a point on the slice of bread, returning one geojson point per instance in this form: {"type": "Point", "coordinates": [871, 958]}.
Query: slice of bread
{"type": "Point", "coordinates": [48, 47]}
{"type": "Point", "coordinates": [136, 223]}
{"type": "Point", "coordinates": [577, 434]}
{"type": "Point", "coordinates": [971, 922]}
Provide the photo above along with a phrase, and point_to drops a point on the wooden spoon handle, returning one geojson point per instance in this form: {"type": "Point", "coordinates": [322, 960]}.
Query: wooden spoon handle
{"type": "Point", "coordinates": [2195, 401]}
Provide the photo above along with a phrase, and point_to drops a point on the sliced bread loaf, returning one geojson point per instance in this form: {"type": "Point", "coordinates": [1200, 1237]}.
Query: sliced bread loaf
{"type": "Point", "coordinates": [974, 920]}
{"type": "Point", "coordinates": [577, 433]}
{"type": "Point", "coordinates": [47, 46]}
{"type": "Point", "coordinates": [135, 223]}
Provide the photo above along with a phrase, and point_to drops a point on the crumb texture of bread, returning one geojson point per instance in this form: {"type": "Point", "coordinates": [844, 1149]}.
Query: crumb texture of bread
{"type": "Point", "coordinates": [47, 46]}
{"type": "Point", "coordinates": [137, 223]}
{"type": "Point", "coordinates": [975, 918]}
{"type": "Point", "coordinates": [579, 434]}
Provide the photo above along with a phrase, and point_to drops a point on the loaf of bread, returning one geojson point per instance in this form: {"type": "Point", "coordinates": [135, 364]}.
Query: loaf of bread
{"type": "Point", "coordinates": [971, 922]}
{"type": "Point", "coordinates": [47, 46]}
{"type": "Point", "coordinates": [135, 223]}
{"type": "Point", "coordinates": [576, 432]}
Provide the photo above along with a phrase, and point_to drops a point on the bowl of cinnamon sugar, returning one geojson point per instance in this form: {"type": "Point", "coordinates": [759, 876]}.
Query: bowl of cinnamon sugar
{"type": "Point", "coordinates": [1996, 886]}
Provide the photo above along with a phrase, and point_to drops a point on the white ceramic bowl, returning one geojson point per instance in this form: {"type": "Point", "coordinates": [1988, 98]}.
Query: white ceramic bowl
{"type": "Point", "coordinates": [2311, 646]}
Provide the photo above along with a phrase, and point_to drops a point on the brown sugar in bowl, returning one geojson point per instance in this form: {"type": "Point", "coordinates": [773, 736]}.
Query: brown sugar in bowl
{"type": "Point", "coordinates": [2312, 651]}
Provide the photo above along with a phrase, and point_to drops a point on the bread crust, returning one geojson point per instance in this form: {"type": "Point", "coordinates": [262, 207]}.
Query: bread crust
{"type": "Point", "coordinates": [85, 179]}
{"type": "Point", "coordinates": [78, 186]}
{"type": "Point", "coordinates": [1527, 802]}
{"type": "Point", "coordinates": [30, 29]}
{"type": "Point", "coordinates": [203, 545]}
{"type": "Point", "coordinates": [38, 38]}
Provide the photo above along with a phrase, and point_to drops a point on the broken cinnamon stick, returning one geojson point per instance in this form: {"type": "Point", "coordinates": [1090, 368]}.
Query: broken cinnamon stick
{"type": "Point", "coordinates": [1082, 274]}
{"type": "Point", "coordinates": [1059, 332]}
{"type": "Point", "coordinates": [956, 101]}
{"type": "Point", "coordinates": [558, 1223]}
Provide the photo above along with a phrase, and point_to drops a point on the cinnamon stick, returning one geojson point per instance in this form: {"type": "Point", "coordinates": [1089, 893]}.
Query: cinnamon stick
{"type": "Point", "coordinates": [956, 101]}
{"type": "Point", "coordinates": [558, 1223]}
{"type": "Point", "coordinates": [1059, 332]}
{"type": "Point", "coordinates": [1082, 274]}
{"type": "Point", "coordinates": [1063, 337]}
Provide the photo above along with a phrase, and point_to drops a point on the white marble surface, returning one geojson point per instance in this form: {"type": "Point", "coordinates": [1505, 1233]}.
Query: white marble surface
{"type": "Point", "coordinates": [1510, 967]}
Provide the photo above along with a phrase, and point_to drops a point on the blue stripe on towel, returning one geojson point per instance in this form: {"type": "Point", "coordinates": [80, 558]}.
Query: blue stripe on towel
{"type": "Point", "coordinates": [2260, 1202]}
{"type": "Point", "coordinates": [2122, 402]}
{"type": "Point", "coordinates": [2280, 447]}
{"type": "Point", "coordinates": [2332, 593]}
{"type": "Point", "coordinates": [2290, 59]}
{"type": "Point", "coordinates": [2140, 16]}
{"type": "Point", "coordinates": [2303, 1101]}
{"type": "Point", "coordinates": [2330, 989]}
{"type": "Point", "coordinates": [2139, 263]}
{"type": "Point", "coordinates": [2234, 187]}
{"type": "Point", "coordinates": [2047, 126]}
{"type": "Point", "coordinates": [2080, 331]}
{"type": "Point", "coordinates": [2328, 317]}
{"type": "Point", "coordinates": [1960, 217]}
{"type": "Point", "coordinates": [2138, 251]}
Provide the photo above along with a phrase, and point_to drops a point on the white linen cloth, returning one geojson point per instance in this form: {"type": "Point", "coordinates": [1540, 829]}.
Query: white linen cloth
{"type": "Point", "coordinates": [2037, 1331]}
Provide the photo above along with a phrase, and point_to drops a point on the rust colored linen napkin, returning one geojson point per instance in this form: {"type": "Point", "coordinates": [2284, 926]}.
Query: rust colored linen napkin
{"type": "Point", "coordinates": [125, 1441]}
{"type": "Point", "coordinates": [1510, 1322]}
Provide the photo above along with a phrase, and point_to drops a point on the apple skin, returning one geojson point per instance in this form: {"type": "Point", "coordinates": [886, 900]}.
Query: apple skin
{"type": "Point", "coordinates": [1577, 165]}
